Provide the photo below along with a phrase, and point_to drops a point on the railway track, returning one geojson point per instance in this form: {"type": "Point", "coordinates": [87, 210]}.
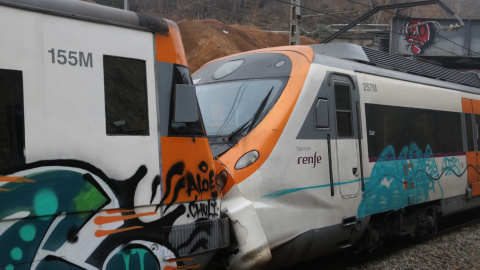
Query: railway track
{"type": "Point", "coordinates": [397, 253]}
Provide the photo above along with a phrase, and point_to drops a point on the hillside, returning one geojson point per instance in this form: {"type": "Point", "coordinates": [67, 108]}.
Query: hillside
{"type": "Point", "coordinates": [210, 39]}
{"type": "Point", "coordinates": [202, 22]}
{"type": "Point", "coordinates": [275, 14]}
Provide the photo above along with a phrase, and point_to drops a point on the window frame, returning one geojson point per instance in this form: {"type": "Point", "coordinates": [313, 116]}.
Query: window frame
{"type": "Point", "coordinates": [338, 81]}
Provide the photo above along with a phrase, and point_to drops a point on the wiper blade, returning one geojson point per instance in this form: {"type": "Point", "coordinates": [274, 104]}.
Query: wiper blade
{"type": "Point", "coordinates": [253, 119]}
{"type": "Point", "coordinates": [237, 130]}
{"type": "Point", "coordinates": [260, 109]}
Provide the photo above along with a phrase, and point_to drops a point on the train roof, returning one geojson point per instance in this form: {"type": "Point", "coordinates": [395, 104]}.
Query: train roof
{"type": "Point", "coordinates": [384, 60]}
{"type": "Point", "coordinates": [92, 12]}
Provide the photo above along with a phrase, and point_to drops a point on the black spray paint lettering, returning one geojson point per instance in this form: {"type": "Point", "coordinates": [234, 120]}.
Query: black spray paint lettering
{"type": "Point", "coordinates": [202, 185]}
{"type": "Point", "coordinates": [207, 209]}
{"type": "Point", "coordinates": [192, 183]}
{"type": "Point", "coordinates": [310, 160]}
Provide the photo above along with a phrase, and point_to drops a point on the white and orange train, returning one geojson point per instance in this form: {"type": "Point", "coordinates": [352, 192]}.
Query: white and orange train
{"type": "Point", "coordinates": [330, 146]}
{"type": "Point", "coordinates": [103, 159]}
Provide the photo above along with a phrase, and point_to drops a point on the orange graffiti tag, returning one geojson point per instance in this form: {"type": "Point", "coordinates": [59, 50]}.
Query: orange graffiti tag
{"type": "Point", "coordinates": [15, 179]}
{"type": "Point", "coordinates": [179, 260]}
{"type": "Point", "coordinates": [100, 233]}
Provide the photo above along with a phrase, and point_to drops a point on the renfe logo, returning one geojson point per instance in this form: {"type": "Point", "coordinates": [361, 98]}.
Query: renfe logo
{"type": "Point", "coordinates": [310, 160]}
{"type": "Point", "coordinates": [417, 34]}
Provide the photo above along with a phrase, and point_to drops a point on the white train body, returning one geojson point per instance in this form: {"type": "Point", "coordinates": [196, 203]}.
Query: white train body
{"type": "Point", "coordinates": [341, 150]}
{"type": "Point", "coordinates": [99, 167]}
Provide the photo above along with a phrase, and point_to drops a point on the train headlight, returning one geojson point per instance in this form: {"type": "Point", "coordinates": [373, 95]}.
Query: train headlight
{"type": "Point", "coordinates": [222, 178]}
{"type": "Point", "coordinates": [247, 159]}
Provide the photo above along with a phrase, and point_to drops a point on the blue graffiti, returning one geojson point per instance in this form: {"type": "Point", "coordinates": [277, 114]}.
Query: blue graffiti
{"type": "Point", "coordinates": [409, 179]}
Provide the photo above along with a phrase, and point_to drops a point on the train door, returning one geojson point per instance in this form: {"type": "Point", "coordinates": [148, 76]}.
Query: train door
{"type": "Point", "coordinates": [471, 110]}
{"type": "Point", "coordinates": [346, 161]}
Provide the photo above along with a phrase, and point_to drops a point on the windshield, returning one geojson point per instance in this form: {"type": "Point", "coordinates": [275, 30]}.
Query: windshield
{"type": "Point", "coordinates": [231, 108]}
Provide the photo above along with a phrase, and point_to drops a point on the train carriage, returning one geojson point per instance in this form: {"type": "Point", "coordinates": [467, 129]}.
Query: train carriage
{"type": "Point", "coordinates": [104, 162]}
{"type": "Point", "coordinates": [333, 146]}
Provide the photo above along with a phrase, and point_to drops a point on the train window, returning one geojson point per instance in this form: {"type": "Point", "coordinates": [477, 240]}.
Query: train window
{"type": "Point", "coordinates": [227, 69]}
{"type": "Point", "coordinates": [321, 113]}
{"type": "Point", "coordinates": [469, 126]}
{"type": "Point", "coordinates": [343, 110]}
{"type": "Point", "coordinates": [448, 129]}
{"type": "Point", "coordinates": [125, 96]}
{"type": "Point", "coordinates": [181, 76]}
{"type": "Point", "coordinates": [12, 130]}
{"type": "Point", "coordinates": [234, 108]}
{"type": "Point", "coordinates": [421, 128]}
{"type": "Point", "coordinates": [385, 127]}
{"type": "Point", "coordinates": [399, 127]}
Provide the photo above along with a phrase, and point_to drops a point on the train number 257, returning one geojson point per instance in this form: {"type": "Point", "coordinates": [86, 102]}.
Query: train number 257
{"type": "Point", "coordinates": [73, 58]}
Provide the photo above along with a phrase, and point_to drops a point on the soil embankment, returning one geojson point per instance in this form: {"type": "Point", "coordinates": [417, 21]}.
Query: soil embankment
{"type": "Point", "coordinates": [211, 39]}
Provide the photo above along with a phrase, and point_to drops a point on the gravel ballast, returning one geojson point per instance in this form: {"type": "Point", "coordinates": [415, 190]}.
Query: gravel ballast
{"type": "Point", "coordinates": [458, 249]}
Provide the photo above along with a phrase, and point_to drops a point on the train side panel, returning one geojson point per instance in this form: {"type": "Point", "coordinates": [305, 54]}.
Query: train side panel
{"type": "Point", "coordinates": [348, 155]}
{"type": "Point", "coordinates": [414, 143]}
{"type": "Point", "coordinates": [85, 182]}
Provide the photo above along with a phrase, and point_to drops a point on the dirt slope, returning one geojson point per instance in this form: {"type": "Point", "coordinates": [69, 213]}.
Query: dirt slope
{"type": "Point", "coordinates": [210, 39]}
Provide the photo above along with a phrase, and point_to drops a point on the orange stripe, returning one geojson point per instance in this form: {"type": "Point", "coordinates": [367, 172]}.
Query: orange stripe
{"type": "Point", "coordinates": [104, 219]}
{"type": "Point", "coordinates": [476, 106]}
{"type": "Point", "coordinates": [15, 179]}
{"type": "Point", "coordinates": [267, 133]}
{"type": "Point", "coordinates": [100, 233]}
{"type": "Point", "coordinates": [475, 188]}
{"type": "Point", "coordinates": [173, 152]}
{"type": "Point", "coordinates": [467, 105]}
{"type": "Point", "coordinates": [169, 48]}
{"type": "Point", "coordinates": [471, 172]}
{"type": "Point", "coordinates": [116, 211]}
{"type": "Point", "coordinates": [4, 189]}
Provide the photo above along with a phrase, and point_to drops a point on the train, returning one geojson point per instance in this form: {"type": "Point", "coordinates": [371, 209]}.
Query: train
{"type": "Point", "coordinates": [104, 163]}
{"type": "Point", "coordinates": [334, 147]}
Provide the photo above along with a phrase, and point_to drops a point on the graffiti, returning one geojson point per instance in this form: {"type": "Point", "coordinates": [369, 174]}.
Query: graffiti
{"type": "Point", "coordinates": [451, 166]}
{"type": "Point", "coordinates": [194, 186]}
{"type": "Point", "coordinates": [310, 160]}
{"type": "Point", "coordinates": [47, 194]}
{"type": "Point", "coordinates": [409, 179]}
{"type": "Point", "coordinates": [51, 209]}
{"type": "Point", "coordinates": [417, 34]}
{"type": "Point", "coordinates": [208, 209]}
{"type": "Point", "coordinates": [133, 257]}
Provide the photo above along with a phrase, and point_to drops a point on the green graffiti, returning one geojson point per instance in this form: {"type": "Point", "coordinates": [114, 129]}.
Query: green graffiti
{"type": "Point", "coordinates": [16, 253]}
{"type": "Point", "coordinates": [28, 232]}
{"type": "Point", "coordinates": [135, 258]}
{"type": "Point", "coordinates": [45, 202]}
{"type": "Point", "coordinates": [141, 254]}
{"type": "Point", "coordinates": [88, 198]}
{"type": "Point", "coordinates": [126, 258]}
